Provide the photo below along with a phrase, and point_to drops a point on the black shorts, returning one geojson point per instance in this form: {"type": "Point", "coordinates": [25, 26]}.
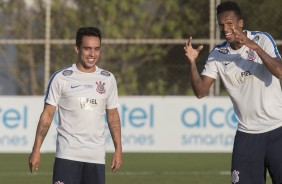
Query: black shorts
{"type": "Point", "coordinates": [254, 154]}
{"type": "Point", "coordinates": [74, 172]}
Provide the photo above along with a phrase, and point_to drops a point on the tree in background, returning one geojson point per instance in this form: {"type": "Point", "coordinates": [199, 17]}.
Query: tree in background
{"type": "Point", "coordinates": [25, 72]}
{"type": "Point", "coordinates": [140, 69]}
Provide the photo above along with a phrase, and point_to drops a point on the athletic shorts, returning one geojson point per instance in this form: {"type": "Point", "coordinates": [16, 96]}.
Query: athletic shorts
{"type": "Point", "coordinates": [254, 154]}
{"type": "Point", "coordinates": [74, 172]}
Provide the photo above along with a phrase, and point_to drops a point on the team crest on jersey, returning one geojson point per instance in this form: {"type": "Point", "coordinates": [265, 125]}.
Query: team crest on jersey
{"type": "Point", "coordinates": [105, 73]}
{"type": "Point", "coordinates": [223, 50]}
{"type": "Point", "coordinates": [100, 87]}
{"type": "Point", "coordinates": [67, 72]}
{"type": "Point", "coordinates": [235, 176]}
{"type": "Point", "coordinates": [251, 55]}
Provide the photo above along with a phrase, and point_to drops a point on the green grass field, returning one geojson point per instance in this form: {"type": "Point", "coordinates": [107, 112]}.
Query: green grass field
{"type": "Point", "coordinates": [137, 168]}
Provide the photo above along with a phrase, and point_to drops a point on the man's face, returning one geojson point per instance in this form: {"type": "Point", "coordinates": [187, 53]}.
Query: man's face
{"type": "Point", "coordinates": [88, 53]}
{"type": "Point", "coordinates": [228, 22]}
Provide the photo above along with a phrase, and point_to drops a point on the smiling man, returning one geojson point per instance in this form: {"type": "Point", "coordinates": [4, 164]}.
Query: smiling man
{"type": "Point", "coordinates": [82, 93]}
{"type": "Point", "coordinates": [250, 67]}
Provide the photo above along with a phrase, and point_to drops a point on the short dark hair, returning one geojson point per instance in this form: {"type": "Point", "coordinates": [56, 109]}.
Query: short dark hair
{"type": "Point", "coordinates": [229, 6]}
{"type": "Point", "coordinates": [87, 31]}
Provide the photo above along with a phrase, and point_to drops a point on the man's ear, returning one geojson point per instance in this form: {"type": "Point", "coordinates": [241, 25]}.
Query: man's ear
{"type": "Point", "coordinates": [76, 49]}
{"type": "Point", "coordinates": [241, 23]}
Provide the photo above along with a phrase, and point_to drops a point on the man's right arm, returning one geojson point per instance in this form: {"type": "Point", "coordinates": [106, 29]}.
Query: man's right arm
{"type": "Point", "coordinates": [41, 132]}
{"type": "Point", "coordinates": [201, 85]}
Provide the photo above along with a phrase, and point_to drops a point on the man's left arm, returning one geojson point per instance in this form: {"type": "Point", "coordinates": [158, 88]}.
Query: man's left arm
{"type": "Point", "coordinates": [274, 65]}
{"type": "Point", "coordinates": [113, 120]}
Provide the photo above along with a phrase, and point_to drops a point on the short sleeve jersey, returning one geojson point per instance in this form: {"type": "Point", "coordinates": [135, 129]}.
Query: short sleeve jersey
{"type": "Point", "coordinates": [254, 91]}
{"type": "Point", "coordinates": [81, 99]}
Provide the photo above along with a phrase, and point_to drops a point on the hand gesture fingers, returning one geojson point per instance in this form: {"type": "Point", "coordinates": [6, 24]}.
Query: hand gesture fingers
{"type": "Point", "coordinates": [240, 36]}
{"type": "Point", "coordinates": [190, 52]}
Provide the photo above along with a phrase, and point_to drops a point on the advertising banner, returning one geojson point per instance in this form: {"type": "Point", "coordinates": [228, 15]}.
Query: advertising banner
{"type": "Point", "coordinates": [149, 124]}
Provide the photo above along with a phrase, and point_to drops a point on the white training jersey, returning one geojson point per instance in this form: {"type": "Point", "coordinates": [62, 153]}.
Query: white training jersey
{"type": "Point", "coordinates": [254, 91]}
{"type": "Point", "coordinates": [81, 99]}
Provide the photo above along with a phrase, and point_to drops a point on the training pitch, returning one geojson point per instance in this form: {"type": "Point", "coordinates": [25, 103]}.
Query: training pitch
{"type": "Point", "coordinates": [137, 168]}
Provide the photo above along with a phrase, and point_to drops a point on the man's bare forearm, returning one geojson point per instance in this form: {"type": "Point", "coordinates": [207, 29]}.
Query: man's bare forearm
{"type": "Point", "coordinates": [43, 129]}
{"type": "Point", "coordinates": [115, 130]}
{"type": "Point", "coordinates": [197, 82]}
{"type": "Point", "coordinates": [274, 65]}
{"type": "Point", "coordinates": [41, 132]}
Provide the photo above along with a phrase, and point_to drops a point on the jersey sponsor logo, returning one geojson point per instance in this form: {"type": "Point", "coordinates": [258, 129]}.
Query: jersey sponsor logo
{"type": "Point", "coordinates": [67, 72]}
{"type": "Point", "coordinates": [223, 50]}
{"type": "Point", "coordinates": [100, 87]}
{"type": "Point", "coordinates": [88, 86]}
{"type": "Point", "coordinates": [235, 176]}
{"type": "Point", "coordinates": [242, 76]}
{"type": "Point", "coordinates": [105, 73]}
{"type": "Point", "coordinates": [88, 103]}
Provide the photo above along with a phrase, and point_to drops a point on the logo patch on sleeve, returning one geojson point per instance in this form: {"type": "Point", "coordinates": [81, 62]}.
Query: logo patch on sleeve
{"type": "Point", "coordinates": [223, 50]}
{"type": "Point", "coordinates": [105, 73]}
{"type": "Point", "coordinates": [67, 72]}
{"type": "Point", "coordinates": [256, 39]}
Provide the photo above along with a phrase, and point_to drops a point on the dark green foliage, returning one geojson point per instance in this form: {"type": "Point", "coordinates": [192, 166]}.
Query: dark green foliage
{"type": "Point", "coordinates": [140, 69]}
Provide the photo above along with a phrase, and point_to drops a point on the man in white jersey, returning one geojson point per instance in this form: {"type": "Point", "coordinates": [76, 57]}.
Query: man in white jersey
{"type": "Point", "coordinates": [250, 67]}
{"type": "Point", "coordinates": [82, 93]}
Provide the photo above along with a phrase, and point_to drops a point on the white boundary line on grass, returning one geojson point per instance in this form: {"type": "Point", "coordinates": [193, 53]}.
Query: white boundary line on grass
{"type": "Point", "coordinates": [172, 173]}
{"type": "Point", "coordinates": [128, 173]}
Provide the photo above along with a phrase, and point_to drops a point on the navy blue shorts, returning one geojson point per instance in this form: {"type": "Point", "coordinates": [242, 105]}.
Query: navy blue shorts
{"type": "Point", "coordinates": [254, 154]}
{"type": "Point", "coordinates": [74, 172]}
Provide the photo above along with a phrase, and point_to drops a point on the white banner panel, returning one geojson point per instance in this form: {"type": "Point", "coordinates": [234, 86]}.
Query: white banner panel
{"type": "Point", "coordinates": [149, 124]}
